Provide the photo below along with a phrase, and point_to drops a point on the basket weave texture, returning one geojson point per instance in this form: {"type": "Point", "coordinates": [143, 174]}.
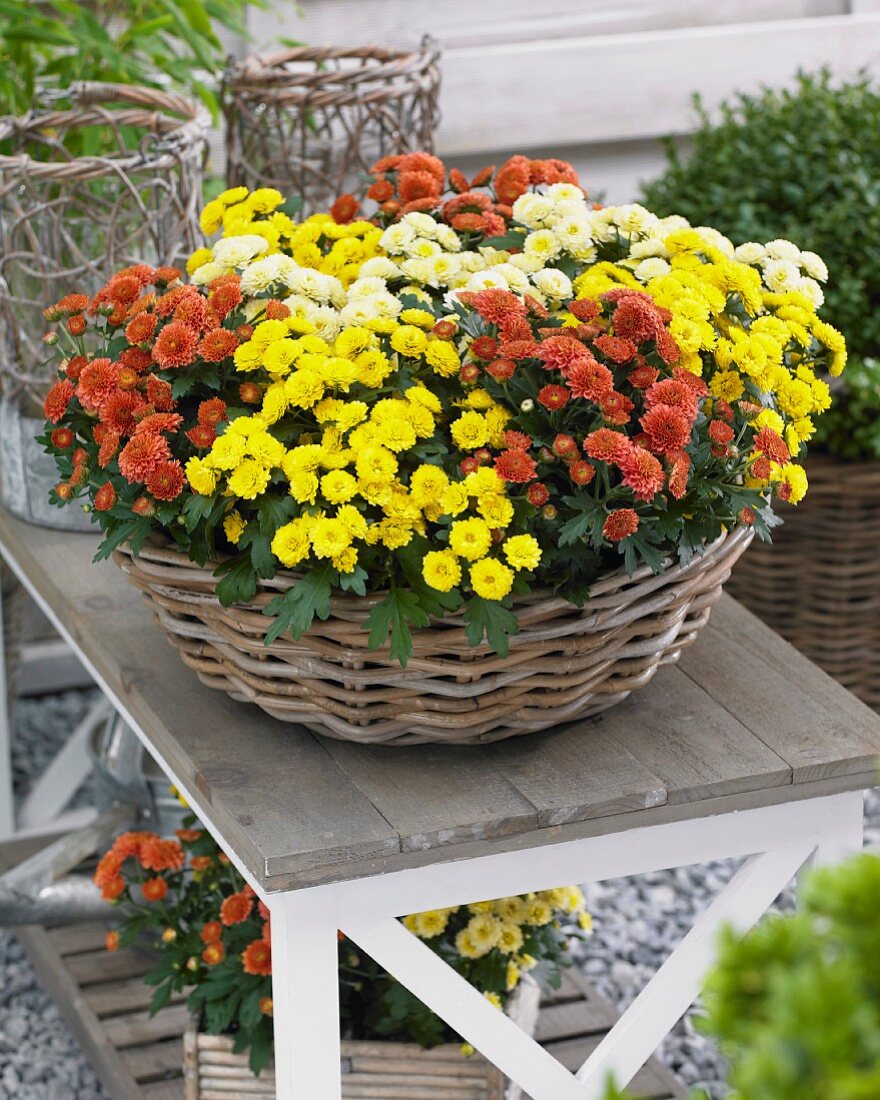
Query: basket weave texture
{"type": "Point", "coordinates": [311, 120]}
{"type": "Point", "coordinates": [67, 222]}
{"type": "Point", "coordinates": [818, 585]}
{"type": "Point", "coordinates": [564, 664]}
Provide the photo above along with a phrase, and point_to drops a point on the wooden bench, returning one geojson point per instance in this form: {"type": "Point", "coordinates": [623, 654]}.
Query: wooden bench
{"type": "Point", "coordinates": [744, 749]}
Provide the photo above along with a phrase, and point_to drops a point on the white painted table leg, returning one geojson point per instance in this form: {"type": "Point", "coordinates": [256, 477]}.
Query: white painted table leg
{"type": "Point", "coordinates": [7, 803]}
{"type": "Point", "coordinates": [847, 835]}
{"type": "Point", "coordinates": [305, 992]}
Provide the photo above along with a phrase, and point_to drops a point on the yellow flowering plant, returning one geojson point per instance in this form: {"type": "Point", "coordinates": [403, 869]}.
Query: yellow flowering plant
{"type": "Point", "coordinates": [483, 387]}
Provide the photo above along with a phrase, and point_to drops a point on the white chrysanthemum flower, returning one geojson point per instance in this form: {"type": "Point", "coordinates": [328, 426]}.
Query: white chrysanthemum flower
{"type": "Point", "coordinates": [443, 268]}
{"type": "Point", "coordinates": [814, 266]}
{"type": "Point", "coordinates": [780, 249]}
{"type": "Point", "coordinates": [633, 220]}
{"type": "Point", "coordinates": [484, 280]}
{"type": "Point", "coordinates": [527, 263]}
{"type": "Point", "coordinates": [571, 208]}
{"type": "Point", "coordinates": [253, 308]}
{"type": "Point", "coordinates": [235, 251]}
{"type": "Point", "coordinates": [358, 312]}
{"type": "Point", "coordinates": [750, 252]}
{"type": "Point", "coordinates": [365, 286]}
{"type": "Point", "coordinates": [534, 210]}
{"type": "Point", "coordinates": [420, 271]}
{"type": "Point", "coordinates": [448, 239]}
{"type": "Point", "coordinates": [314, 284]}
{"type": "Point", "coordinates": [552, 283]}
{"type": "Point", "coordinates": [543, 243]}
{"type": "Point", "coordinates": [812, 290]}
{"type": "Point", "coordinates": [517, 280]}
{"type": "Point", "coordinates": [651, 268]}
{"type": "Point", "coordinates": [422, 224]}
{"type": "Point", "coordinates": [423, 249]}
{"type": "Point", "coordinates": [397, 238]}
{"type": "Point", "coordinates": [261, 274]}
{"type": "Point", "coordinates": [671, 224]}
{"type": "Point", "coordinates": [379, 267]}
{"type": "Point", "coordinates": [327, 323]}
{"type": "Point", "coordinates": [564, 192]}
{"type": "Point", "coordinates": [781, 275]}
{"type": "Point", "coordinates": [473, 261]}
{"type": "Point", "coordinates": [386, 304]}
{"type": "Point", "coordinates": [648, 247]}
{"type": "Point", "coordinates": [208, 272]}
{"type": "Point", "coordinates": [573, 231]}
{"type": "Point", "coordinates": [586, 253]}
{"type": "Point", "coordinates": [715, 239]}
{"type": "Point", "coordinates": [602, 227]}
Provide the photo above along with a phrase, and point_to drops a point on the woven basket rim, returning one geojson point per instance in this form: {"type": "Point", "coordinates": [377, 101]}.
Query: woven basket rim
{"type": "Point", "coordinates": [161, 551]}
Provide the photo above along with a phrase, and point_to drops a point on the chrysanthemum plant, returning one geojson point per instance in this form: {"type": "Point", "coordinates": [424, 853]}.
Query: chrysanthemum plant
{"type": "Point", "coordinates": [482, 388]}
{"type": "Point", "coordinates": [213, 939]}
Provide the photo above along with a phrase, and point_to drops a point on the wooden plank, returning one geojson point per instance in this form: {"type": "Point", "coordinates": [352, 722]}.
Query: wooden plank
{"type": "Point", "coordinates": [698, 749]}
{"type": "Point", "coordinates": [95, 967]}
{"type": "Point", "coordinates": [650, 1083]}
{"type": "Point", "coordinates": [140, 1028]}
{"type": "Point", "coordinates": [123, 995]}
{"type": "Point", "coordinates": [73, 939]}
{"type": "Point", "coordinates": [821, 731]}
{"type": "Point", "coordinates": [578, 772]}
{"type": "Point", "coordinates": [474, 801]}
{"type": "Point", "coordinates": [163, 1090]}
{"type": "Point", "coordinates": [156, 1062]}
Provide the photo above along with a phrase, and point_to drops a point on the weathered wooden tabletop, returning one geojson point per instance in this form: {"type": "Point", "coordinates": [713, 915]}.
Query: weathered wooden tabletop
{"type": "Point", "coordinates": [743, 720]}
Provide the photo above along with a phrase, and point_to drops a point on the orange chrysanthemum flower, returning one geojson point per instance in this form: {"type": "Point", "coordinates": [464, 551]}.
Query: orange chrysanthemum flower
{"type": "Point", "coordinates": [257, 958]}
{"type": "Point", "coordinates": [212, 411]}
{"type": "Point", "coordinates": [166, 482]}
{"type": "Point", "coordinates": [201, 863]}
{"type": "Point", "coordinates": [235, 909]}
{"type": "Point", "coordinates": [211, 932]}
{"type": "Point", "coordinates": [111, 940]}
{"type": "Point", "coordinates": [119, 411]}
{"type": "Point", "coordinates": [642, 473]}
{"type": "Point", "coordinates": [97, 381]}
{"type": "Point", "coordinates": [553, 397]}
{"type": "Point", "coordinates": [154, 889]}
{"type": "Point", "coordinates": [105, 497]}
{"type": "Point", "coordinates": [620, 524]}
{"type": "Point", "coordinates": [159, 394]}
{"type": "Point", "coordinates": [158, 854]}
{"type": "Point", "coordinates": [606, 445]}
{"type": "Point", "coordinates": [62, 438]}
{"type": "Point", "coordinates": [667, 428]}
{"type": "Point", "coordinates": [142, 455]}
{"type": "Point", "coordinates": [344, 209]}
{"type": "Point", "coordinates": [773, 446]}
{"type": "Point", "coordinates": [57, 400]}
{"type": "Point", "coordinates": [141, 328]}
{"type": "Point", "coordinates": [213, 954]}
{"type": "Point", "coordinates": [224, 298]}
{"type": "Point", "coordinates": [581, 472]}
{"type": "Point", "coordinates": [201, 436]}
{"type": "Point", "coordinates": [266, 1006]}
{"type": "Point", "coordinates": [680, 465]}
{"type": "Point", "coordinates": [515, 466]}
{"type": "Point", "coordinates": [590, 379]}
{"type": "Point", "coordinates": [175, 345]}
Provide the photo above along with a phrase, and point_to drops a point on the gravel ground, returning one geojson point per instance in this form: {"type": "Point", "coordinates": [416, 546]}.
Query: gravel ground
{"type": "Point", "coordinates": [638, 920]}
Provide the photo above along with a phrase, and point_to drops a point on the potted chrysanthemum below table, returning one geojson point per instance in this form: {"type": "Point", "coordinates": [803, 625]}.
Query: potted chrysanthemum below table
{"type": "Point", "coordinates": [212, 941]}
{"type": "Point", "coordinates": [470, 465]}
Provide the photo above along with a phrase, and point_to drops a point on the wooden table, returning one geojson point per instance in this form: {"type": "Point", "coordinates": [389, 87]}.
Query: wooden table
{"type": "Point", "coordinates": [743, 750]}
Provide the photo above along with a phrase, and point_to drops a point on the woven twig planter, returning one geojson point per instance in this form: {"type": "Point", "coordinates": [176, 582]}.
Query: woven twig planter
{"type": "Point", "coordinates": [818, 585]}
{"type": "Point", "coordinates": [310, 120]}
{"type": "Point", "coordinates": [564, 664]}
{"type": "Point", "coordinates": [66, 223]}
{"type": "Point", "coordinates": [384, 1070]}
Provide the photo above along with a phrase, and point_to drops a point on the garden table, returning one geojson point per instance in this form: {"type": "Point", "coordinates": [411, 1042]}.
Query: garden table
{"type": "Point", "coordinates": [744, 749]}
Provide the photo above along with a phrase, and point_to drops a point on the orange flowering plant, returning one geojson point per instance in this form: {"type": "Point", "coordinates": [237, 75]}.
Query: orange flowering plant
{"type": "Point", "coordinates": [213, 938]}
{"type": "Point", "coordinates": [480, 387]}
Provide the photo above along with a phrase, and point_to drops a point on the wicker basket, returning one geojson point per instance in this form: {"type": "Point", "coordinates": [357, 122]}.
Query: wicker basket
{"type": "Point", "coordinates": [66, 223]}
{"type": "Point", "coordinates": [384, 1070]}
{"type": "Point", "coordinates": [819, 584]}
{"type": "Point", "coordinates": [311, 120]}
{"type": "Point", "coordinates": [564, 664]}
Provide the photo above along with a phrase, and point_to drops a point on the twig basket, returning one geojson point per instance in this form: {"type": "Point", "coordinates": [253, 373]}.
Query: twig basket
{"type": "Point", "coordinates": [67, 222]}
{"type": "Point", "coordinates": [308, 120]}
{"type": "Point", "coordinates": [819, 584]}
{"type": "Point", "coordinates": [384, 1070]}
{"type": "Point", "coordinates": [564, 664]}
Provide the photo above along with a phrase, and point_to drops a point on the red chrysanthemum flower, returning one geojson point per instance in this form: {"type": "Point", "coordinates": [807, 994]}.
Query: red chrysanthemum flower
{"type": "Point", "coordinates": [501, 369]}
{"type": "Point", "coordinates": [747, 516]}
{"type": "Point", "coordinates": [217, 344]}
{"type": "Point", "coordinates": [108, 448]}
{"type": "Point", "coordinates": [761, 467]}
{"type": "Point", "coordinates": [201, 436]}
{"type": "Point", "coordinates": [97, 381]}
{"type": "Point", "coordinates": [165, 275]}
{"type": "Point", "coordinates": [62, 438]}
{"type": "Point", "coordinates": [74, 366]}
{"type": "Point", "coordinates": [418, 187]}
{"type": "Point", "coordinates": [484, 347]}
{"type": "Point", "coordinates": [140, 329]}
{"type": "Point", "coordinates": [250, 393]}
{"type": "Point", "coordinates": [159, 394]}
{"type": "Point", "coordinates": [515, 465]}
{"type": "Point", "coordinates": [691, 380]}
{"type": "Point", "coordinates": [224, 298]}
{"type": "Point", "coordinates": [493, 304]}
{"type": "Point", "coordinates": [553, 397]}
{"type": "Point", "coordinates": [723, 409]}
{"type": "Point", "coordinates": [381, 190]}
{"type": "Point", "coordinates": [276, 310]}
{"type": "Point", "coordinates": [616, 408]}
{"type": "Point", "coordinates": [119, 411]}
{"type": "Point", "coordinates": [590, 379]}
{"type": "Point", "coordinates": [519, 349]}
{"type": "Point", "coordinates": [773, 446]}
{"type": "Point", "coordinates": [423, 162]}
{"type": "Point", "coordinates": [537, 495]}
{"type": "Point", "coordinates": [143, 454]}
{"type": "Point", "coordinates": [136, 359]}
{"type": "Point", "coordinates": [344, 209]}
{"type": "Point", "coordinates": [213, 954]}
{"type": "Point", "coordinates": [235, 909]}
{"type": "Point", "coordinates": [675, 393]}
{"type": "Point", "coordinates": [667, 348]}
{"type": "Point", "coordinates": [154, 889]}
{"type": "Point", "coordinates": [513, 179]}
{"type": "Point", "coordinates": [642, 473]}
{"type": "Point", "coordinates": [562, 352]}
{"type": "Point", "coordinates": [581, 472]}
{"type": "Point", "coordinates": [211, 932]}
{"type": "Point", "coordinates": [105, 498]}
{"type": "Point", "coordinates": [257, 958]}
{"type": "Point", "coordinates": [620, 524]}
{"type": "Point", "coordinates": [212, 411]}
{"type": "Point", "coordinates": [606, 445]}
{"type": "Point", "coordinates": [720, 431]}
{"type": "Point", "coordinates": [679, 469]}
{"type": "Point", "coordinates": [158, 854]}
{"type": "Point", "coordinates": [57, 400]}
{"type": "Point", "coordinates": [143, 506]}
{"type": "Point", "coordinates": [166, 481]}
{"type": "Point", "coordinates": [643, 376]}
{"type": "Point", "coordinates": [667, 428]}
{"type": "Point", "coordinates": [157, 422]}
{"type": "Point", "coordinates": [517, 441]}
{"type": "Point", "coordinates": [565, 446]}
{"type": "Point", "coordinates": [585, 309]}
{"type": "Point", "coordinates": [175, 345]}
{"type": "Point", "coordinates": [616, 349]}
{"type": "Point", "coordinates": [469, 373]}
{"type": "Point", "coordinates": [636, 318]}
{"type": "Point", "coordinates": [445, 330]}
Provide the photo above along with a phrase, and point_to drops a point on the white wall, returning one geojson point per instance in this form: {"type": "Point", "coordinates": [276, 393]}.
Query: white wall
{"type": "Point", "coordinates": [594, 81]}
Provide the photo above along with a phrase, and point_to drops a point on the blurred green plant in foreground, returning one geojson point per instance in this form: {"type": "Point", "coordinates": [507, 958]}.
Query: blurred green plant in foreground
{"type": "Point", "coordinates": [802, 164]}
{"type": "Point", "coordinates": [795, 1004]}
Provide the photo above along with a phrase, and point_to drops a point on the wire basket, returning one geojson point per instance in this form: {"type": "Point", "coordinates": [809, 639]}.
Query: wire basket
{"type": "Point", "coordinates": [309, 120]}
{"type": "Point", "coordinates": [68, 221]}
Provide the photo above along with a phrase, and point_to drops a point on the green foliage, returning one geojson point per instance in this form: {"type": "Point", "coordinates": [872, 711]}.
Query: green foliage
{"type": "Point", "coordinates": [802, 164]}
{"type": "Point", "coordinates": [160, 43]}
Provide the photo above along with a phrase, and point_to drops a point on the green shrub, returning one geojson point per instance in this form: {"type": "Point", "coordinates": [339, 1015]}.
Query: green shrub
{"type": "Point", "coordinates": [802, 164]}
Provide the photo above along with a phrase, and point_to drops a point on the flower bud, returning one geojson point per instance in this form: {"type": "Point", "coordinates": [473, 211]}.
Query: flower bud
{"type": "Point", "coordinates": [527, 405]}
{"type": "Point", "coordinates": [50, 339]}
